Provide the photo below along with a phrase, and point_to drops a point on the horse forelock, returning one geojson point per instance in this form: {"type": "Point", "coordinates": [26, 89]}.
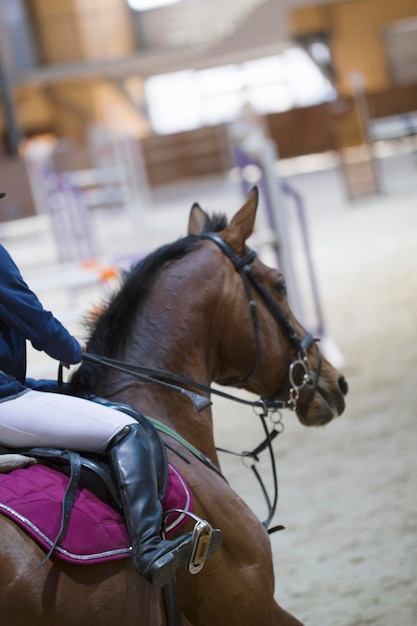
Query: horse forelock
{"type": "Point", "coordinates": [215, 223]}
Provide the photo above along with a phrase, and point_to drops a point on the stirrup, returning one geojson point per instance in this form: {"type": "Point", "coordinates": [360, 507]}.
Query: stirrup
{"type": "Point", "coordinates": [200, 541]}
{"type": "Point", "coordinates": [200, 546]}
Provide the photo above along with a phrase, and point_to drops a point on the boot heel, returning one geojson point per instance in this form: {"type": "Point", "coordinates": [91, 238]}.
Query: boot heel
{"type": "Point", "coordinates": [161, 572]}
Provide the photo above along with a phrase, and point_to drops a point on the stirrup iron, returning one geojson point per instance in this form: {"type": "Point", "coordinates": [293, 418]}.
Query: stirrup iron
{"type": "Point", "coordinates": [201, 543]}
{"type": "Point", "coordinates": [200, 540]}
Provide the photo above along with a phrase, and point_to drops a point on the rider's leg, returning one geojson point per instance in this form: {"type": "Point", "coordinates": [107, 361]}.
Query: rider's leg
{"type": "Point", "coordinates": [131, 457]}
{"type": "Point", "coordinates": [38, 418]}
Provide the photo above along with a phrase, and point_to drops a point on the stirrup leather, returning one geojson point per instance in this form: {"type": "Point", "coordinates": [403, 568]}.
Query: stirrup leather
{"type": "Point", "coordinates": [200, 541]}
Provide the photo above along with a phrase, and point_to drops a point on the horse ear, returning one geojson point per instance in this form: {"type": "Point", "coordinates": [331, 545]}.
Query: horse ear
{"type": "Point", "coordinates": [197, 220]}
{"type": "Point", "coordinates": [242, 224]}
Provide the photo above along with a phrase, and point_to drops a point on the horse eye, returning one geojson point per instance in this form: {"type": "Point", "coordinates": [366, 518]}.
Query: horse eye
{"type": "Point", "coordinates": [281, 286]}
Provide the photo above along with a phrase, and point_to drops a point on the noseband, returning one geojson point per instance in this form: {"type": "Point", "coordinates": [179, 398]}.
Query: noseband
{"type": "Point", "coordinates": [299, 373]}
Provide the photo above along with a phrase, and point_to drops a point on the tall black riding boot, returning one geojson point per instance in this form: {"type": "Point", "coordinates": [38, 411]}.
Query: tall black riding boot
{"type": "Point", "coordinates": [132, 457]}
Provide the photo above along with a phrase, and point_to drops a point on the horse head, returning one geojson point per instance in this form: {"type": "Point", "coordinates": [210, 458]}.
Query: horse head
{"type": "Point", "coordinates": [263, 347]}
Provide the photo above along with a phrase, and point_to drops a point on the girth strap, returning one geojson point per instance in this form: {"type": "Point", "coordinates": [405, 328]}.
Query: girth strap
{"type": "Point", "coordinates": [68, 500]}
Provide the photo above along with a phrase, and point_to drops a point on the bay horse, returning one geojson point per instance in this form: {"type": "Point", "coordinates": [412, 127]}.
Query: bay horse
{"type": "Point", "coordinates": [207, 308]}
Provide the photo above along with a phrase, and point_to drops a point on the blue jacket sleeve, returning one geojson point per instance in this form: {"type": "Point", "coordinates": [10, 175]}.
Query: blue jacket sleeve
{"type": "Point", "coordinates": [22, 311]}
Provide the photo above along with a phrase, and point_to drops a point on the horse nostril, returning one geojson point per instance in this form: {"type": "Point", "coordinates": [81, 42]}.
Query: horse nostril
{"type": "Point", "coordinates": [344, 387]}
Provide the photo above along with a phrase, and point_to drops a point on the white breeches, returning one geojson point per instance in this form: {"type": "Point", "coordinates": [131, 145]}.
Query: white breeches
{"type": "Point", "coordinates": [38, 418]}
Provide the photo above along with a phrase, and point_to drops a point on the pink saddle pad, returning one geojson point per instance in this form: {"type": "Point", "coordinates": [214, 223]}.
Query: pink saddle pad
{"type": "Point", "coordinates": [32, 497]}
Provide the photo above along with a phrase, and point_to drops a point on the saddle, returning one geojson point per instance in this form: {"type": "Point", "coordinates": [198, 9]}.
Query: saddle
{"type": "Point", "coordinates": [89, 471]}
{"type": "Point", "coordinates": [89, 475]}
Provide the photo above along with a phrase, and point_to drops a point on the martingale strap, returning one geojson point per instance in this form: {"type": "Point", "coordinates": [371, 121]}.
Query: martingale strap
{"type": "Point", "coordinates": [163, 428]}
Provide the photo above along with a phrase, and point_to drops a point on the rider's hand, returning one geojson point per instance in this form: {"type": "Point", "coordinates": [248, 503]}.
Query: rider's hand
{"type": "Point", "coordinates": [83, 347]}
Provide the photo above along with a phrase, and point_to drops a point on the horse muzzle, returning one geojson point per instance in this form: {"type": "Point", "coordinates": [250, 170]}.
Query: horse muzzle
{"type": "Point", "coordinates": [319, 405]}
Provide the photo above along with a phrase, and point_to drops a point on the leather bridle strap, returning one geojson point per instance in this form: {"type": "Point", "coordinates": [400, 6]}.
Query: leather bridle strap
{"type": "Point", "coordinates": [299, 364]}
{"type": "Point", "coordinates": [155, 375]}
{"type": "Point", "coordinates": [242, 265]}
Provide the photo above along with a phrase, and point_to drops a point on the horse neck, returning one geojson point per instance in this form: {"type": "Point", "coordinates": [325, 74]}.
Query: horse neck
{"type": "Point", "coordinates": [172, 408]}
{"type": "Point", "coordinates": [168, 335]}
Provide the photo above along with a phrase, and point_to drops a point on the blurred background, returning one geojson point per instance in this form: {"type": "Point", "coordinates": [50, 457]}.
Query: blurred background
{"type": "Point", "coordinates": [112, 111]}
{"type": "Point", "coordinates": [117, 115]}
{"type": "Point", "coordinates": [102, 88]}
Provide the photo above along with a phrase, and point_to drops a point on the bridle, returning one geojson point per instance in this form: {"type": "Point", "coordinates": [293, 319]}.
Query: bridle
{"type": "Point", "coordinates": [299, 373]}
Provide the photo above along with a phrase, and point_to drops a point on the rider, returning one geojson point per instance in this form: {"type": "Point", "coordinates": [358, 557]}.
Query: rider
{"type": "Point", "coordinates": [32, 417]}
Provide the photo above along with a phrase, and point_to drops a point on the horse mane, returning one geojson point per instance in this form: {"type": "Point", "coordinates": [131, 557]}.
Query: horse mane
{"type": "Point", "coordinates": [110, 329]}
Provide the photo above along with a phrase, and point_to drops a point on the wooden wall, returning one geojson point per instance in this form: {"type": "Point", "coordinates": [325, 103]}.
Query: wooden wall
{"type": "Point", "coordinates": [328, 126]}
{"type": "Point", "coordinates": [187, 154]}
{"type": "Point", "coordinates": [355, 31]}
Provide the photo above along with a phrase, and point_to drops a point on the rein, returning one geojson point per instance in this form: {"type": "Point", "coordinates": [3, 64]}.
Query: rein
{"type": "Point", "coordinates": [161, 377]}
